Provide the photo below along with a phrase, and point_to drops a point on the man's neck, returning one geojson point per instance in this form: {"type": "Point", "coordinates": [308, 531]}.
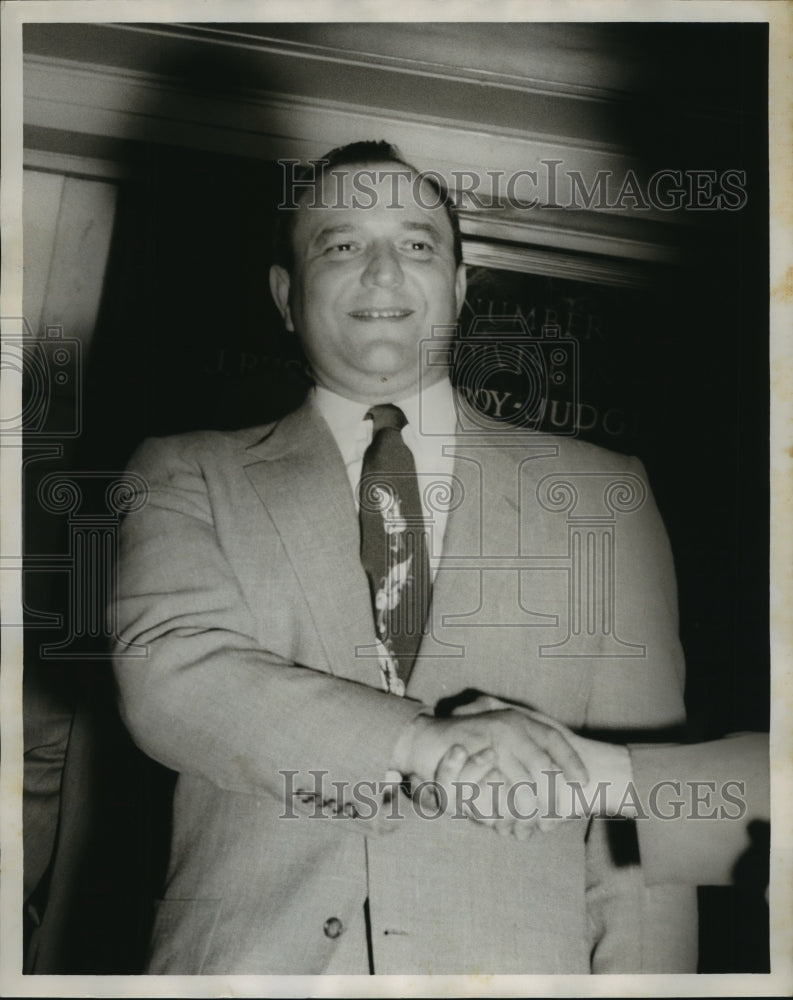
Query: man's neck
{"type": "Point", "coordinates": [394, 393]}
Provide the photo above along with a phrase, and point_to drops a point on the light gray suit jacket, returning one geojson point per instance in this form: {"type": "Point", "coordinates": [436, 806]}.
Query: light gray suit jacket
{"type": "Point", "coordinates": [241, 575]}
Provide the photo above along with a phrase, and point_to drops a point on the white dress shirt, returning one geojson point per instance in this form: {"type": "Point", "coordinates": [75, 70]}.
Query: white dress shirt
{"type": "Point", "coordinates": [432, 420]}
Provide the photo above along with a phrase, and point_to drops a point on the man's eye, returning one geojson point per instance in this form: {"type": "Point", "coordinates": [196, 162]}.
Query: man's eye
{"type": "Point", "coordinates": [420, 247]}
{"type": "Point", "coordinates": [336, 248]}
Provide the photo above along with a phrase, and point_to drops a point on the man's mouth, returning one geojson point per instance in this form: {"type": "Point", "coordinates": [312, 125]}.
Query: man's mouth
{"type": "Point", "coordinates": [383, 313]}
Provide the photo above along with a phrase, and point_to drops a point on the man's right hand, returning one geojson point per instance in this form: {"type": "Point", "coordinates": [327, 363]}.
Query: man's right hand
{"type": "Point", "coordinates": [491, 763]}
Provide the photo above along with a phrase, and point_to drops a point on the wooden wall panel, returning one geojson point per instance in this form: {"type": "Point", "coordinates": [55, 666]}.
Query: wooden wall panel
{"type": "Point", "coordinates": [68, 227]}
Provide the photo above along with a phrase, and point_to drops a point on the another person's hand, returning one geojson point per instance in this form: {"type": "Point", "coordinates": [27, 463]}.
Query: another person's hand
{"type": "Point", "coordinates": [489, 761]}
{"type": "Point", "coordinates": [604, 791]}
{"type": "Point", "coordinates": [607, 792]}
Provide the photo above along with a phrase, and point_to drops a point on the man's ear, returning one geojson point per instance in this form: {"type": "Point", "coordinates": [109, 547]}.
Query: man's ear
{"type": "Point", "coordinates": [460, 285]}
{"type": "Point", "coordinates": [280, 283]}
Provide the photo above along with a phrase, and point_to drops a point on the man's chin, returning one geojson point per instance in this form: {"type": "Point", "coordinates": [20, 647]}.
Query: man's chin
{"type": "Point", "coordinates": [390, 362]}
{"type": "Point", "coordinates": [378, 386]}
{"type": "Point", "coordinates": [389, 384]}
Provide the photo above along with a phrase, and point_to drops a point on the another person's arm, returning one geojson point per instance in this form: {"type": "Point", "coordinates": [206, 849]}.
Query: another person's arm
{"type": "Point", "coordinates": [639, 689]}
{"type": "Point", "coordinates": [695, 801]}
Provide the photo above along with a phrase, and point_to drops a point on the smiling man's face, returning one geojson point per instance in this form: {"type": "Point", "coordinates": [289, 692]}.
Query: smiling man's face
{"type": "Point", "coordinates": [373, 273]}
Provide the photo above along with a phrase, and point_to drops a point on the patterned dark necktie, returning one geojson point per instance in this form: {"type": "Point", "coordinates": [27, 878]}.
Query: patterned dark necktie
{"type": "Point", "coordinates": [393, 545]}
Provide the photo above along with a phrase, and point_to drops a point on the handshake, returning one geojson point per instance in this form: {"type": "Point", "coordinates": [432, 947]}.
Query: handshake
{"type": "Point", "coordinates": [511, 768]}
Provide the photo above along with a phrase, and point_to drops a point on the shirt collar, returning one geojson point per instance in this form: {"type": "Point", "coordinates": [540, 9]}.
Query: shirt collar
{"type": "Point", "coordinates": [345, 417]}
{"type": "Point", "coordinates": [431, 411]}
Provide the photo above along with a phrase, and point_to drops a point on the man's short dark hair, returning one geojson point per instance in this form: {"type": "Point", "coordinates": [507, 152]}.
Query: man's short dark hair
{"type": "Point", "coordinates": [370, 152]}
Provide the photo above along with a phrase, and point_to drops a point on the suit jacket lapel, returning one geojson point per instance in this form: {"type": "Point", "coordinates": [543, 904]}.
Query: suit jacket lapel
{"type": "Point", "coordinates": [300, 478]}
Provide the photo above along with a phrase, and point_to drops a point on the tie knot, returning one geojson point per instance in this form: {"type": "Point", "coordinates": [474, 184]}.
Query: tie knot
{"type": "Point", "coordinates": [386, 415]}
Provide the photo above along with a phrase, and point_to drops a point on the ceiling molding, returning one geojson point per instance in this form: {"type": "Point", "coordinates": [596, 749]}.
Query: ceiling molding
{"type": "Point", "coordinates": [72, 165]}
{"type": "Point", "coordinates": [570, 63]}
{"type": "Point", "coordinates": [69, 84]}
{"type": "Point", "coordinates": [556, 264]}
{"type": "Point", "coordinates": [580, 232]}
{"type": "Point", "coordinates": [264, 44]}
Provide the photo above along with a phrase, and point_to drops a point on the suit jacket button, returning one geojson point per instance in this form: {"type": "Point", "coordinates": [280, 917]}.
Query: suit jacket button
{"type": "Point", "coordinates": [333, 927]}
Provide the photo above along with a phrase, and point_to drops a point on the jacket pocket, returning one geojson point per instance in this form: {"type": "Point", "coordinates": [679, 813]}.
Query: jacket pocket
{"type": "Point", "coordinates": [182, 933]}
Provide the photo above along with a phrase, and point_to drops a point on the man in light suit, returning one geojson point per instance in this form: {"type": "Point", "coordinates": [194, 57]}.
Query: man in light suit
{"type": "Point", "coordinates": [266, 686]}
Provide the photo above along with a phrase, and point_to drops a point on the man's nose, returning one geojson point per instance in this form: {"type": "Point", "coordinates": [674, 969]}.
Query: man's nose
{"type": "Point", "coordinates": [383, 267]}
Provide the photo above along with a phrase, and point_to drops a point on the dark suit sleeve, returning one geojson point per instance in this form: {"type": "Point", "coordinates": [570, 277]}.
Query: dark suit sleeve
{"type": "Point", "coordinates": [207, 699]}
{"type": "Point", "coordinates": [698, 802]}
{"type": "Point", "coordinates": [635, 928]}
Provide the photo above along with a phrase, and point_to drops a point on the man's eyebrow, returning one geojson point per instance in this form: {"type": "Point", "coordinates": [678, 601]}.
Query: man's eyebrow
{"type": "Point", "coordinates": [346, 228]}
{"type": "Point", "coordinates": [340, 229]}
{"type": "Point", "coordinates": [422, 227]}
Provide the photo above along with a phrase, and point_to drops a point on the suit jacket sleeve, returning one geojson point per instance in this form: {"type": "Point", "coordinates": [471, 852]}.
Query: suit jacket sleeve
{"type": "Point", "coordinates": [699, 801]}
{"type": "Point", "coordinates": [207, 699]}
{"type": "Point", "coordinates": [635, 928]}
